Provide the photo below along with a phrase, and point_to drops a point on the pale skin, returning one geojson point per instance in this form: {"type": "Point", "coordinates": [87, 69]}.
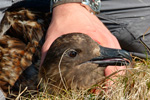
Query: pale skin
{"type": "Point", "coordinates": [72, 17]}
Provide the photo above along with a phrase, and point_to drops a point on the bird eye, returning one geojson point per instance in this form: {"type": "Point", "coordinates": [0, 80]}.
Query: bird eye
{"type": "Point", "coordinates": [72, 53]}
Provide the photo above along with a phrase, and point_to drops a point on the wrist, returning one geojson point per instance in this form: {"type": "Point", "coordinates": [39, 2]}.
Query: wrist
{"type": "Point", "coordinates": [69, 8]}
{"type": "Point", "coordinates": [91, 5]}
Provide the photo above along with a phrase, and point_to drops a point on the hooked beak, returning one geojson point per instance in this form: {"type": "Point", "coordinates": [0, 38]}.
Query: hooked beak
{"type": "Point", "coordinates": [109, 56]}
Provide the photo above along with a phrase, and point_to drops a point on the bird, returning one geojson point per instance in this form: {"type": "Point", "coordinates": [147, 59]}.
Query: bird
{"type": "Point", "coordinates": [76, 62]}
{"type": "Point", "coordinates": [21, 37]}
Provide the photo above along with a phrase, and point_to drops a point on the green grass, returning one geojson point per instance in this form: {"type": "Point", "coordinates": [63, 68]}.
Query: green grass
{"type": "Point", "coordinates": [134, 85]}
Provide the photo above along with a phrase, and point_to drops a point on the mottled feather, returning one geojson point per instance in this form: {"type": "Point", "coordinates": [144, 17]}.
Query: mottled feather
{"type": "Point", "coordinates": [21, 34]}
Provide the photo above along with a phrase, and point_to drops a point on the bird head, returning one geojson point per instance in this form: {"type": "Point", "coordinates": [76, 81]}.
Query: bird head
{"type": "Point", "coordinates": [75, 61]}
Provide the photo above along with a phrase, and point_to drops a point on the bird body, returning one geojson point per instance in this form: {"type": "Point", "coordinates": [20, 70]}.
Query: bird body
{"type": "Point", "coordinates": [21, 36]}
{"type": "Point", "coordinates": [74, 60]}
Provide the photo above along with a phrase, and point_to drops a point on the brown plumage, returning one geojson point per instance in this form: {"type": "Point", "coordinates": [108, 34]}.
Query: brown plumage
{"type": "Point", "coordinates": [82, 64]}
{"type": "Point", "coordinates": [75, 61]}
{"type": "Point", "coordinates": [21, 34]}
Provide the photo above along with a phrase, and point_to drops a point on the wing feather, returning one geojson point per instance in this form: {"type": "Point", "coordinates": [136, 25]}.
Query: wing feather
{"type": "Point", "coordinates": [21, 33]}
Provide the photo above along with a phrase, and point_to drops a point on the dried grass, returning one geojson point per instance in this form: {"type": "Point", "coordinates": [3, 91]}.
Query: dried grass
{"type": "Point", "coordinates": [135, 85]}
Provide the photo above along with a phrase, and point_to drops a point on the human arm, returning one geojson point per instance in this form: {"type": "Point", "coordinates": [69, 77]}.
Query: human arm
{"type": "Point", "coordinates": [72, 17]}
